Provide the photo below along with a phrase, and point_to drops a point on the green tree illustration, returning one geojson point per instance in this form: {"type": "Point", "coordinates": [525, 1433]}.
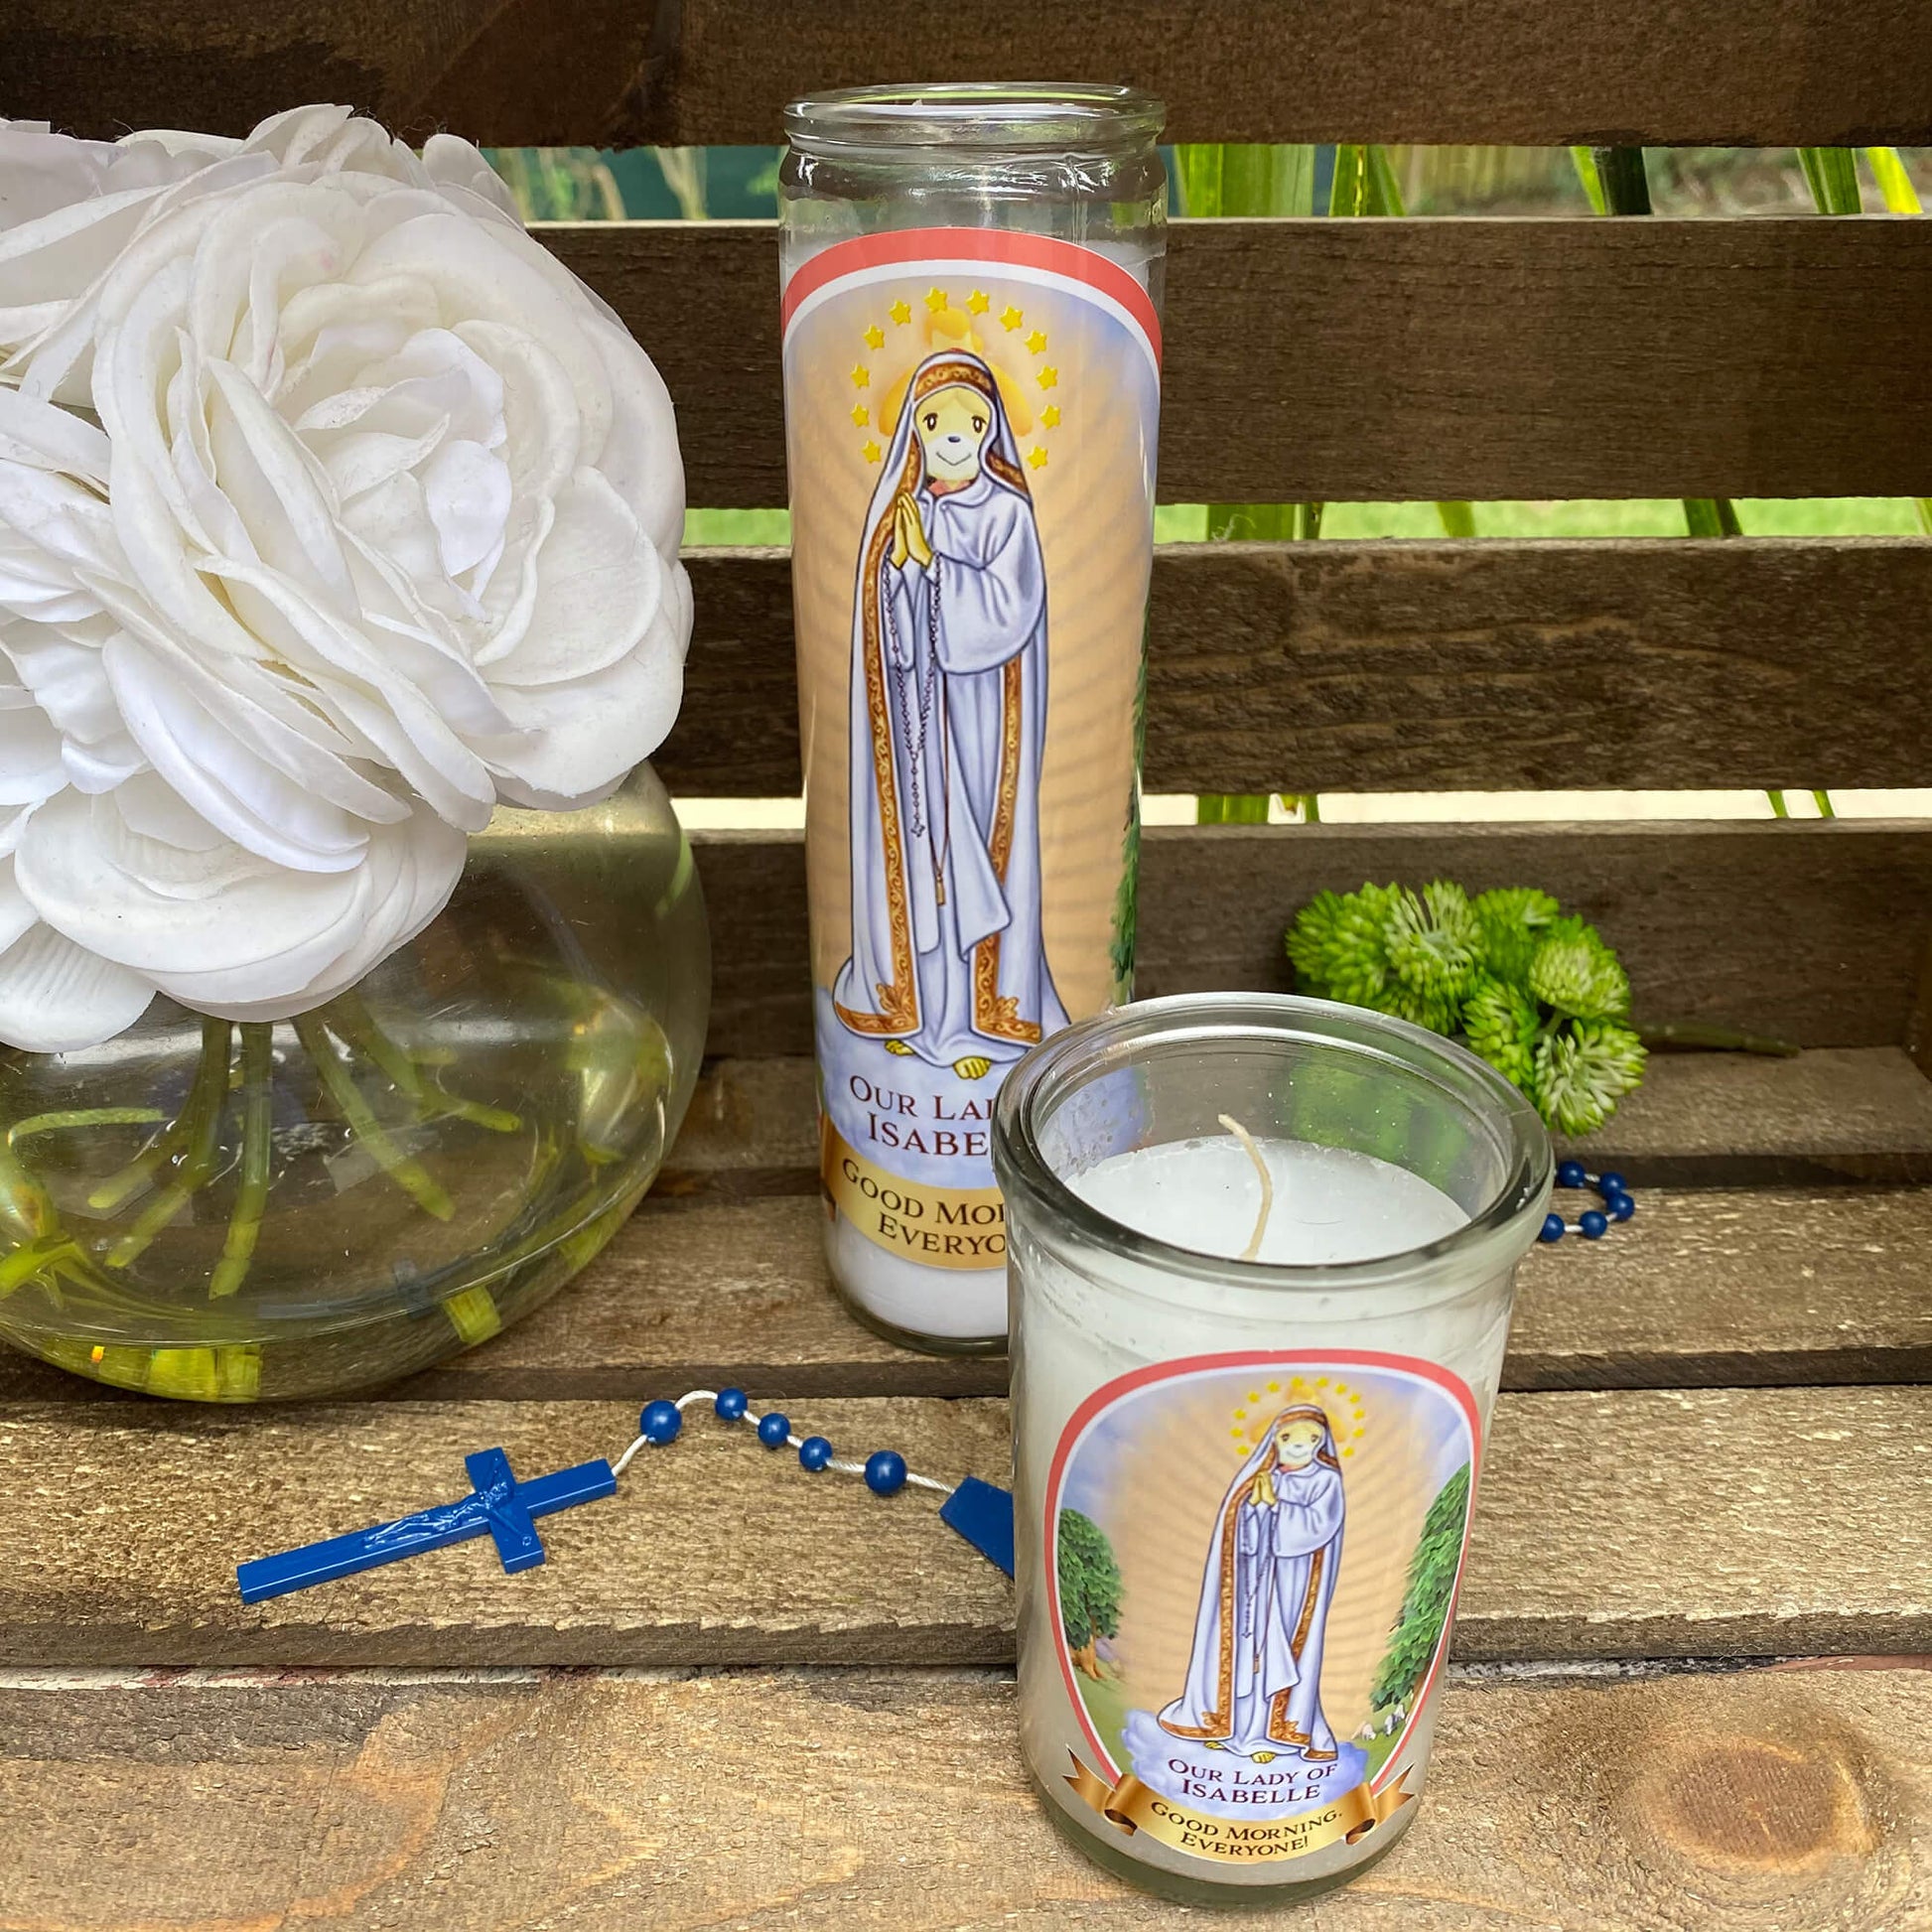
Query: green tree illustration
{"type": "Point", "coordinates": [1426, 1603]}
{"type": "Point", "coordinates": [1090, 1588]}
{"type": "Point", "coordinates": [1126, 895]}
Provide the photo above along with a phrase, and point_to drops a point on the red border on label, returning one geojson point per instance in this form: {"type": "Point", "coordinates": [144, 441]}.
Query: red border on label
{"type": "Point", "coordinates": [1111, 1392]}
{"type": "Point", "coordinates": [1066, 259]}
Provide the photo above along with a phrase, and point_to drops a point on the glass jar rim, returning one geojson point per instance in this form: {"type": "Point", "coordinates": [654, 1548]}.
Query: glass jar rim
{"type": "Point", "coordinates": [1503, 1222]}
{"type": "Point", "coordinates": [1018, 117]}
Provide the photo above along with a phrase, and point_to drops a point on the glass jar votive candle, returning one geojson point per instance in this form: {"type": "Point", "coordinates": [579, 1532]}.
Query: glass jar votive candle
{"type": "Point", "coordinates": [1263, 1253]}
{"type": "Point", "coordinates": [972, 379]}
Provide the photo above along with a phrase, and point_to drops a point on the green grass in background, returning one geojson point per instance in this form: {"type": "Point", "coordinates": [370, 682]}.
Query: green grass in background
{"type": "Point", "coordinates": [1767, 516]}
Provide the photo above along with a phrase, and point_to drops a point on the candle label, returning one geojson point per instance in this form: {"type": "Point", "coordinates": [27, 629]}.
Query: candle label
{"type": "Point", "coordinates": [971, 419]}
{"type": "Point", "coordinates": [1252, 1564]}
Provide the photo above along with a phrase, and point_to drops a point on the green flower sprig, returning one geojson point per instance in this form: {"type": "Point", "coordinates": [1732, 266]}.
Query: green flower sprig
{"type": "Point", "coordinates": [1538, 995]}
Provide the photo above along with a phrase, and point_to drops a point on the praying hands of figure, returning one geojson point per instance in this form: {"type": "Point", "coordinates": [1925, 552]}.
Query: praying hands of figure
{"type": "Point", "coordinates": [909, 533]}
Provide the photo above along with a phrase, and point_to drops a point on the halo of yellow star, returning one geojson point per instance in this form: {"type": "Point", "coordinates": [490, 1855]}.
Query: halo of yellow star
{"type": "Point", "coordinates": [951, 322]}
{"type": "Point", "coordinates": [1347, 1424]}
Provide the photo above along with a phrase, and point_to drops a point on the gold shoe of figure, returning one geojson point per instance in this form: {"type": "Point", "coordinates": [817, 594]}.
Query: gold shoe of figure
{"type": "Point", "coordinates": [971, 1068]}
{"type": "Point", "coordinates": [1319, 1757]}
{"type": "Point", "coordinates": [1262, 1757]}
{"type": "Point", "coordinates": [899, 1048]}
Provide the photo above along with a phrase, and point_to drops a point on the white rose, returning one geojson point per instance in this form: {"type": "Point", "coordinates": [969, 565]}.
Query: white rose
{"type": "Point", "coordinates": [112, 887]}
{"type": "Point", "coordinates": [390, 534]}
{"type": "Point", "coordinates": [69, 207]}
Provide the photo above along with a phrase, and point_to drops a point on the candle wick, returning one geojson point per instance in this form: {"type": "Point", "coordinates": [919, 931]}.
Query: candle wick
{"type": "Point", "coordinates": [1252, 1251]}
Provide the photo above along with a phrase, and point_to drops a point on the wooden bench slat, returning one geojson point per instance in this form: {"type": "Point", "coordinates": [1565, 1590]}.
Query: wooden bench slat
{"type": "Point", "coordinates": [1418, 666]}
{"type": "Point", "coordinates": [1500, 70]}
{"type": "Point", "coordinates": [1411, 359]}
{"type": "Point", "coordinates": [718, 71]}
{"type": "Point", "coordinates": [1808, 931]}
{"type": "Point", "coordinates": [721, 1277]}
{"type": "Point", "coordinates": [1782, 1798]}
{"type": "Point", "coordinates": [1700, 1120]}
{"type": "Point", "coordinates": [1723, 1287]}
{"type": "Point", "coordinates": [1631, 1523]}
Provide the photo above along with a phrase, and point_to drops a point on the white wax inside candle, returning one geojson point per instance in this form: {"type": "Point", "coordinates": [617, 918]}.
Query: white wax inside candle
{"type": "Point", "coordinates": [1329, 1204]}
{"type": "Point", "coordinates": [952, 1303]}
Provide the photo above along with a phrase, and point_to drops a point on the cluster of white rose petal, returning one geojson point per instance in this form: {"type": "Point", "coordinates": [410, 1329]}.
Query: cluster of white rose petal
{"type": "Point", "coordinates": [332, 512]}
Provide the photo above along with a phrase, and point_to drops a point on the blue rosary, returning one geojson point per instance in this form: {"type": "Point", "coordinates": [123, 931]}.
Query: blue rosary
{"type": "Point", "coordinates": [505, 1509]}
{"type": "Point", "coordinates": [1594, 1222]}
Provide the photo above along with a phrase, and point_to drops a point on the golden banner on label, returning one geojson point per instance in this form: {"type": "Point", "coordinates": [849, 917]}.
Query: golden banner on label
{"type": "Point", "coordinates": [940, 1228]}
{"type": "Point", "coordinates": [1133, 1807]}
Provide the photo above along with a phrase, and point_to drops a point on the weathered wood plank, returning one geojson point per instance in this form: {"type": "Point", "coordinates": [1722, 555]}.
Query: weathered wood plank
{"type": "Point", "coordinates": [1700, 1120]}
{"type": "Point", "coordinates": [1723, 1287]}
{"type": "Point", "coordinates": [1808, 932]}
{"type": "Point", "coordinates": [1761, 1800]}
{"type": "Point", "coordinates": [592, 73]}
{"type": "Point", "coordinates": [1632, 1523]}
{"type": "Point", "coordinates": [1363, 359]}
{"type": "Point", "coordinates": [1256, 71]}
{"type": "Point", "coordinates": [1412, 667]}
{"type": "Point", "coordinates": [720, 1278]}
{"type": "Point", "coordinates": [510, 73]}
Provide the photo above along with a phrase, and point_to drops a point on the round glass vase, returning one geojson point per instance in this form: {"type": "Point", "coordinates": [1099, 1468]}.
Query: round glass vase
{"type": "Point", "coordinates": [235, 1212]}
{"type": "Point", "coordinates": [1243, 1486]}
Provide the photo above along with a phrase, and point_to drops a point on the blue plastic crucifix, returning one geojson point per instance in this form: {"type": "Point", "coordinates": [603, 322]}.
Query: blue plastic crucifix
{"type": "Point", "coordinates": [499, 1504]}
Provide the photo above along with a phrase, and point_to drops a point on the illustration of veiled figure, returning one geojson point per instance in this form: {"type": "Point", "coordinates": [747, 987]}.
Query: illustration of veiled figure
{"type": "Point", "coordinates": [1254, 1677]}
{"type": "Point", "coordinates": [948, 721]}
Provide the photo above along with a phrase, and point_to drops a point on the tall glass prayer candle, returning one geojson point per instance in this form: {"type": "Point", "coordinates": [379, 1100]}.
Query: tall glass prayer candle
{"type": "Point", "coordinates": [1264, 1251]}
{"type": "Point", "coordinates": [972, 368]}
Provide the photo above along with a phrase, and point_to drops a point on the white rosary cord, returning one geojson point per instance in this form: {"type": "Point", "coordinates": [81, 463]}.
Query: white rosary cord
{"type": "Point", "coordinates": [797, 1442]}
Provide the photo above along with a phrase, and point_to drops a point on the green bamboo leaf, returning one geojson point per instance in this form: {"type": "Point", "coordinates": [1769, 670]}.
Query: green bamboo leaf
{"type": "Point", "coordinates": [1231, 808]}
{"type": "Point", "coordinates": [1364, 183]}
{"type": "Point", "coordinates": [1711, 517]}
{"type": "Point", "coordinates": [1894, 183]}
{"type": "Point", "coordinates": [1586, 164]}
{"type": "Point", "coordinates": [1348, 189]}
{"type": "Point", "coordinates": [1832, 174]}
{"type": "Point", "coordinates": [1621, 180]}
{"type": "Point", "coordinates": [1245, 177]}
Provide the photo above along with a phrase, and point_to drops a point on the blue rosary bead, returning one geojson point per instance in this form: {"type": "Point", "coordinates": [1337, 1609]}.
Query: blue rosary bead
{"type": "Point", "coordinates": [661, 1423]}
{"type": "Point", "coordinates": [1592, 1225]}
{"type": "Point", "coordinates": [885, 1472]}
{"type": "Point", "coordinates": [1621, 1207]}
{"type": "Point", "coordinates": [1613, 1183]}
{"type": "Point", "coordinates": [773, 1430]}
{"type": "Point", "coordinates": [814, 1453]}
{"type": "Point", "coordinates": [1552, 1228]}
{"type": "Point", "coordinates": [730, 1404]}
{"type": "Point", "coordinates": [1573, 1174]}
